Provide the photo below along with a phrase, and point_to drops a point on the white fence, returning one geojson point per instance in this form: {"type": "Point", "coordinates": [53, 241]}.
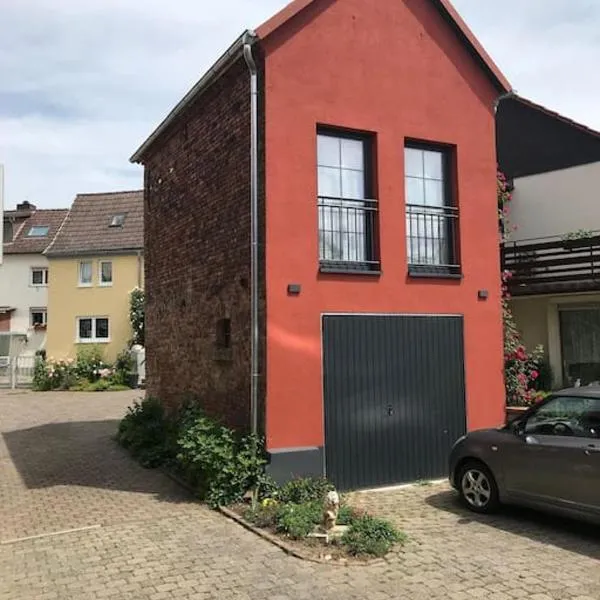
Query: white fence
{"type": "Point", "coordinates": [16, 371]}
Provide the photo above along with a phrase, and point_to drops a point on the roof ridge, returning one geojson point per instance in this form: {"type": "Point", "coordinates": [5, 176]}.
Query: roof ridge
{"type": "Point", "coordinates": [139, 191]}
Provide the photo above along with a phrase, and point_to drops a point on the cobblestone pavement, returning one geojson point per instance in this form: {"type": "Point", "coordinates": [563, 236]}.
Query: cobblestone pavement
{"type": "Point", "coordinates": [141, 537]}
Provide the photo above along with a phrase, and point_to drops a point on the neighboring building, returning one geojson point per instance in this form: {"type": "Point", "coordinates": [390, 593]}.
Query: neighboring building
{"type": "Point", "coordinates": [554, 254]}
{"type": "Point", "coordinates": [96, 260]}
{"type": "Point", "coordinates": [24, 275]}
{"type": "Point", "coordinates": [379, 321]}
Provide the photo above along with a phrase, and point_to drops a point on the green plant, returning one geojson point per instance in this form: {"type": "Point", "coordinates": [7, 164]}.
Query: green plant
{"type": "Point", "coordinates": [264, 516]}
{"type": "Point", "coordinates": [53, 375]}
{"type": "Point", "coordinates": [90, 363]}
{"type": "Point", "coordinates": [222, 466]}
{"type": "Point", "coordinates": [371, 536]}
{"type": "Point", "coordinates": [298, 520]}
{"type": "Point", "coordinates": [137, 316]}
{"type": "Point", "coordinates": [147, 433]}
{"type": "Point", "coordinates": [300, 491]}
{"type": "Point", "coordinates": [123, 368]}
{"type": "Point", "coordinates": [41, 379]}
{"type": "Point", "coordinates": [580, 234]}
{"type": "Point", "coordinates": [347, 515]}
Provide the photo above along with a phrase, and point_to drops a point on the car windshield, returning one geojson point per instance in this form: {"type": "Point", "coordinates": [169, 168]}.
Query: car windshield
{"type": "Point", "coordinates": [567, 415]}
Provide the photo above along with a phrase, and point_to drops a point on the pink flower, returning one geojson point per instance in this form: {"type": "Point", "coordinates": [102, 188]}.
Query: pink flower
{"type": "Point", "coordinates": [534, 375]}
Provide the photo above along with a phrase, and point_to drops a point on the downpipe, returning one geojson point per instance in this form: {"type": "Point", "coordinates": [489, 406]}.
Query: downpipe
{"type": "Point", "coordinates": [249, 39]}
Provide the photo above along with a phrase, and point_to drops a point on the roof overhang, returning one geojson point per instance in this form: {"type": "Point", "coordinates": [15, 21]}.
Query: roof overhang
{"type": "Point", "coordinates": [6, 310]}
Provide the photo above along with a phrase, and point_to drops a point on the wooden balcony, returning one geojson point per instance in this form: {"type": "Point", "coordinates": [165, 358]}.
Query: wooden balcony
{"type": "Point", "coordinates": [553, 265]}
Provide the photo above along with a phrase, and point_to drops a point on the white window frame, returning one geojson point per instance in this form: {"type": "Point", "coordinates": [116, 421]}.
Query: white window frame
{"type": "Point", "coordinates": [91, 281]}
{"type": "Point", "coordinates": [105, 283]}
{"type": "Point", "coordinates": [44, 271]}
{"type": "Point", "coordinates": [38, 309]}
{"type": "Point", "coordinates": [93, 339]}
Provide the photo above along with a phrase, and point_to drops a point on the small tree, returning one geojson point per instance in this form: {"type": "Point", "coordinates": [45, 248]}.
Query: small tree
{"type": "Point", "coordinates": [521, 369]}
{"type": "Point", "coordinates": [137, 316]}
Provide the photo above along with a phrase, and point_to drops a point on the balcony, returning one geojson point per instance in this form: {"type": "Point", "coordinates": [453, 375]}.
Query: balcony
{"type": "Point", "coordinates": [553, 265]}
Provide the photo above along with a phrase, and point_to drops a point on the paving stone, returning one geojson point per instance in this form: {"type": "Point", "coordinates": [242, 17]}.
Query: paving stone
{"type": "Point", "coordinates": [142, 537]}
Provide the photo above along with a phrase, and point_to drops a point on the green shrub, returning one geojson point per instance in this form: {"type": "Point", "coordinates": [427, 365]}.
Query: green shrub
{"type": "Point", "coordinates": [90, 363]}
{"type": "Point", "coordinates": [222, 466]}
{"type": "Point", "coordinates": [41, 379]}
{"type": "Point", "coordinates": [264, 516]}
{"type": "Point", "coordinates": [123, 369]}
{"type": "Point", "coordinates": [147, 433]}
{"type": "Point", "coordinates": [371, 536]}
{"type": "Point", "coordinates": [137, 316]}
{"type": "Point", "coordinates": [53, 375]}
{"type": "Point", "coordinates": [298, 520]}
{"type": "Point", "coordinates": [300, 491]}
{"type": "Point", "coordinates": [347, 515]}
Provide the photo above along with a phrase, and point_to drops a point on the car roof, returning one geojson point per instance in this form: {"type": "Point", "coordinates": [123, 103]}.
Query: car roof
{"type": "Point", "coordinates": [591, 391]}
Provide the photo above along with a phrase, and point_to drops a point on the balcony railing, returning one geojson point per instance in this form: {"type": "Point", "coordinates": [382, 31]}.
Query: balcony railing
{"type": "Point", "coordinates": [432, 236]}
{"type": "Point", "coordinates": [553, 264]}
{"type": "Point", "coordinates": [347, 234]}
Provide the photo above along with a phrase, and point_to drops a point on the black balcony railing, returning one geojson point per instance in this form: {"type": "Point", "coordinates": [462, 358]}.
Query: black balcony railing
{"type": "Point", "coordinates": [432, 239]}
{"type": "Point", "coordinates": [347, 234]}
{"type": "Point", "coordinates": [553, 264]}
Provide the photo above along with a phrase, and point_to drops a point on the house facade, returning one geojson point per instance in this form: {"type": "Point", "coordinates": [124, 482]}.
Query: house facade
{"type": "Point", "coordinates": [95, 261]}
{"type": "Point", "coordinates": [376, 323]}
{"type": "Point", "coordinates": [554, 252]}
{"type": "Point", "coordinates": [24, 277]}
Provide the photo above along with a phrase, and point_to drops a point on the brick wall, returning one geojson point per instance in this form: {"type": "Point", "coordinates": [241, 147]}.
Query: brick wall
{"type": "Point", "coordinates": [197, 248]}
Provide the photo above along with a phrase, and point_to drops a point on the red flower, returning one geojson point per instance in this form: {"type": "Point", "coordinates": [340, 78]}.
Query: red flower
{"type": "Point", "coordinates": [534, 375]}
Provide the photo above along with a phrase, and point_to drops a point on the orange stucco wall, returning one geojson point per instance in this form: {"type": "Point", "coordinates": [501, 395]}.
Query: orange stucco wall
{"type": "Point", "coordinates": [394, 68]}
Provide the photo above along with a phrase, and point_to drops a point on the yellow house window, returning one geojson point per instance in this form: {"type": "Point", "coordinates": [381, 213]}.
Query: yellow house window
{"type": "Point", "coordinates": [85, 273]}
{"type": "Point", "coordinates": [105, 274]}
{"type": "Point", "coordinates": [93, 330]}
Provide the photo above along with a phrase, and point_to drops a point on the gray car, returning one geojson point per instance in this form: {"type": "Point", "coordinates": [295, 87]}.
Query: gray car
{"type": "Point", "coordinates": [548, 458]}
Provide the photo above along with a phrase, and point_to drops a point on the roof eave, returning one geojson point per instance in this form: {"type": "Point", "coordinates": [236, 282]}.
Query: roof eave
{"type": "Point", "coordinates": [217, 70]}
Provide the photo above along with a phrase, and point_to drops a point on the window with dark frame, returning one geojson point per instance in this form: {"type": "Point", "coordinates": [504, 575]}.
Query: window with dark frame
{"type": "Point", "coordinates": [38, 317]}
{"type": "Point", "coordinates": [431, 211]}
{"type": "Point", "coordinates": [347, 209]}
{"type": "Point", "coordinates": [223, 334]}
{"type": "Point", "coordinates": [39, 276]}
{"type": "Point", "coordinates": [93, 329]}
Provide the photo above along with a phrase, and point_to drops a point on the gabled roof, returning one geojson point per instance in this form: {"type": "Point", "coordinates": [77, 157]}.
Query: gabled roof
{"type": "Point", "coordinates": [87, 230]}
{"type": "Point", "coordinates": [280, 20]}
{"type": "Point", "coordinates": [532, 139]}
{"type": "Point", "coordinates": [22, 243]}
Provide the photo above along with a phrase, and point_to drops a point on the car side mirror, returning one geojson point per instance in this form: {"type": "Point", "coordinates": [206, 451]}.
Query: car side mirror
{"type": "Point", "coordinates": [517, 427]}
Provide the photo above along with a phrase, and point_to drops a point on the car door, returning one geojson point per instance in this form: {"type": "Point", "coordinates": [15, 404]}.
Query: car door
{"type": "Point", "coordinates": [547, 461]}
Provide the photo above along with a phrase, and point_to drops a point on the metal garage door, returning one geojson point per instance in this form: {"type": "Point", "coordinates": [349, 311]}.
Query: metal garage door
{"type": "Point", "coordinates": [394, 397]}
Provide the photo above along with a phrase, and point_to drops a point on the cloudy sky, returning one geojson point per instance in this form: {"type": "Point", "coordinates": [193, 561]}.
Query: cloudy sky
{"type": "Point", "coordinates": [83, 82]}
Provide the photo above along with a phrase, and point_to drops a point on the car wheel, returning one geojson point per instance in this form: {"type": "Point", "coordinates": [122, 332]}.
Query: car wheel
{"type": "Point", "coordinates": [477, 487]}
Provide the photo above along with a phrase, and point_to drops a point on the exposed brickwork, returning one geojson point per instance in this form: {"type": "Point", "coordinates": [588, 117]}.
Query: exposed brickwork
{"type": "Point", "coordinates": [197, 215]}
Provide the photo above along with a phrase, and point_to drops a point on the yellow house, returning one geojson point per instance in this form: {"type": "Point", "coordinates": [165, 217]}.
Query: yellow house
{"type": "Point", "coordinates": [95, 261]}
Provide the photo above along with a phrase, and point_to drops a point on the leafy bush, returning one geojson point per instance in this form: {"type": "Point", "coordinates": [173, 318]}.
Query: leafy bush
{"type": "Point", "coordinates": [90, 363]}
{"type": "Point", "coordinates": [300, 491]}
{"type": "Point", "coordinates": [147, 433]}
{"type": "Point", "coordinates": [371, 536]}
{"type": "Point", "coordinates": [223, 467]}
{"type": "Point", "coordinates": [137, 316]}
{"type": "Point", "coordinates": [298, 520]}
{"type": "Point", "coordinates": [347, 515]}
{"type": "Point", "coordinates": [123, 369]}
{"type": "Point", "coordinates": [264, 515]}
{"type": "Point", "coordinates": [53, 375]}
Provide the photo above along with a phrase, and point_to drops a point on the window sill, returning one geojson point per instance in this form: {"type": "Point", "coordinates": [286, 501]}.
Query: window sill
{"type": "Point", "coordinates": [93, 341]}
{"type": "Point", "coordinates": [339, 268]}
{"type": "Point", "coordinates": [38, 285]}
{"type": "Point", "coordinates": [105, 284]}
{"type": "Point", "coordinates": [417, 272]}
{"type": "Point", "coordinates": [84, 285]}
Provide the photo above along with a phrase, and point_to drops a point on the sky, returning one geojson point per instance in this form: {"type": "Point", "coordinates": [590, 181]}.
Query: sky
{"type": "Point", "coordinates": [84, 82]}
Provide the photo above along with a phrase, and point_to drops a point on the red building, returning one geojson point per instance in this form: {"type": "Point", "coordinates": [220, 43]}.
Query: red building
{"type": "Point", "coordinates": [336, 283]}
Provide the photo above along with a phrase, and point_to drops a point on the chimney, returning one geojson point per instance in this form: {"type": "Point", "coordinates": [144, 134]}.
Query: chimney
{"type": "Point", "coordinates": [26, 206]}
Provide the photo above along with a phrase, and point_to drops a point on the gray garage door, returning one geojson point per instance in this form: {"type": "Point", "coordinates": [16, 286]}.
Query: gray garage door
{"type": "Point", "coordinates": [394, 397]}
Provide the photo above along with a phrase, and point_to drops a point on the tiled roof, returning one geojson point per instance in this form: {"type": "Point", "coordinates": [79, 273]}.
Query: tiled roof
{"type": "Point", "coordinates": [23, 243]}
{"type": "Point", "coordinates": [87, 229]}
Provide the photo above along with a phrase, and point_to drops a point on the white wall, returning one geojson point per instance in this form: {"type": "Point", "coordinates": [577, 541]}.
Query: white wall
{"type": "Point", "coordinates": [552, 204]}
{"type": "Point", "coordinates": [16, 291]}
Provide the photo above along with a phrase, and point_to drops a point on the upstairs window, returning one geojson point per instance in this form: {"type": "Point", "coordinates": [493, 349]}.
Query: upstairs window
{"type": "Point", "coordinates": [431, 213]}
{"type": "Point", "coordinates": [85, 274]}
{"type": "Point", "coordinates": [92, 330]}
{"type": "Point", "coordinates": [347, 210]}
{"type": "Point", "coordinates": [38, 317]}
{"type": "Point", "coordinates": [38, 231]}
{"type": "Point", "coordinates": [105, 272]}
{"type": "Point", "coordinates": [39, 276]}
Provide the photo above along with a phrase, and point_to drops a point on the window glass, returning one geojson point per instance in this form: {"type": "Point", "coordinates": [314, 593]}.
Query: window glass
{"type": "Point", "coordinates": [413, 162]}
{"type": "Point", "coordinates": [328, 151]}
{"type": "Point", "coordinates": [565, 415]}
{"type": "Point", "coordinates": [353, 184]}
{"type": "Point", "coordinates": [38, 317]}
{"type": "Point", "coordinates": [330, 184]}
{"type": "Point", "coordinates": [38, 231]}
{"type": "Point", "coordinates": [433, 165]}
{"type": "Point", "coordinates": [102, 328]}
{"type": "Point", "coordinates": [39, 276]}
{"type": "Point", "coordinates": [85, 329]}
{"type": "Point", "coordinates": [106, 272]}
{"type": "Point", "coordinates": [85, 273]}
{"type": "Point", "coordinates": [352, 154]}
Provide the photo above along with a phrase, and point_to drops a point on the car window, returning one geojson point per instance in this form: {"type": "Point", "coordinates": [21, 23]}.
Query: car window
{"type": "Point", "coordinates": [566, 415]}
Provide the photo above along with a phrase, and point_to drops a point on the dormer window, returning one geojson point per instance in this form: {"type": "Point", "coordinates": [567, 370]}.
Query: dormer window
{"type": "Point", "coordinates": [117, 221]}
{"type": "Point", "coordinates": [38, 231]}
